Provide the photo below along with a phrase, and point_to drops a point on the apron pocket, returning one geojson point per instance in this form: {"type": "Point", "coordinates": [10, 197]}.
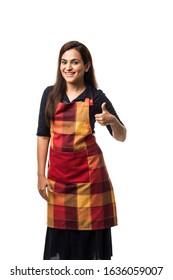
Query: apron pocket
{"type": "Point", "coordinates": [68, 167]}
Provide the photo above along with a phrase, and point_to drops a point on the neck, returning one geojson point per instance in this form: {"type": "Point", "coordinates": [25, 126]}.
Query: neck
{"type": "Point", "coordinates": [75, 88]}
{"type": "Point", "coordinates": [74, 91]}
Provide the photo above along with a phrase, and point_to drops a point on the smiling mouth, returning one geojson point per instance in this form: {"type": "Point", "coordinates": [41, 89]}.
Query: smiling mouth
{"type": "Point", "coordinates": [69, 73]}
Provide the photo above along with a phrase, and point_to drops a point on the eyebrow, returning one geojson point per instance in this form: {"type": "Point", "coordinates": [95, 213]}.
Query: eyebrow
{"type": "Point", "coordinates": [70, 59]}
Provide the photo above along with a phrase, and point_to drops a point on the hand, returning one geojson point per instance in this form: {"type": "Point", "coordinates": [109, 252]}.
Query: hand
{"type": "Point", "coordinates": [43, 183]}
{"type": "Point", "coordinates": [105, 118]}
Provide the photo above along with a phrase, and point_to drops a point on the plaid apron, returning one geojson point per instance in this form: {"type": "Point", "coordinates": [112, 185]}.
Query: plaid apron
{"type": "Point", "coordinates": [82, 197]}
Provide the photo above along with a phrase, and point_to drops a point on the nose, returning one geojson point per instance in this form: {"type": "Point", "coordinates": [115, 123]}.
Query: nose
{"type": "Point", "coordinates": [68, 66]}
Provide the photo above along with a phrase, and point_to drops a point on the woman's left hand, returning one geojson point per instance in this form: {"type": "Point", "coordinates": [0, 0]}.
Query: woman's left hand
{"type": "Point", "coordinates": [105, 118]}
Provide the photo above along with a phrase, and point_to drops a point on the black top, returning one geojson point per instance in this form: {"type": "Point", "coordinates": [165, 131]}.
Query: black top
{"type": "Point", "coordinates": [98, 98]}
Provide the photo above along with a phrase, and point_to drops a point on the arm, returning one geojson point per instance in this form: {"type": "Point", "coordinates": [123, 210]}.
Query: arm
{"type": "Point", "coordinates": [43, 133]}
{"type": "Point", "coordinates": [118, 130]}
{"type": "Point", "coordinates": [105, 118]}
{"type": "Point", "coordinates": [42, 150]}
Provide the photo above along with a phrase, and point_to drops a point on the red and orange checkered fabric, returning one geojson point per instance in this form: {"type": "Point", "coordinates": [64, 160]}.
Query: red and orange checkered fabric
{"type": "Point", "coordinates": [82, 197]}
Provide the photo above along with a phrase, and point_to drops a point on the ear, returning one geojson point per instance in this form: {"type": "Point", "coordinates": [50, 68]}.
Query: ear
{"type": "Point", "coordinates": [87, 66]}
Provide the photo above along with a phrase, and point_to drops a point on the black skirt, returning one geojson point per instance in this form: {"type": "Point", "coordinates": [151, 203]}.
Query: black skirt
{"type": "Point", "coordinates": [78, 244]}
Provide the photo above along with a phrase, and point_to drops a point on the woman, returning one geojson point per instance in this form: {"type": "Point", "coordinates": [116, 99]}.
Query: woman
{"type": "Point", "coordinates": [77, 187]}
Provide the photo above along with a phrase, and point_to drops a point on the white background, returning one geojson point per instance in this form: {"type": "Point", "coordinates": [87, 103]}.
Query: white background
{"type": "Point", "coordinates": [131, 43]}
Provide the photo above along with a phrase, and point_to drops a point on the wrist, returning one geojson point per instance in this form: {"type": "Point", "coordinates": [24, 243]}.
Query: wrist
{"type": "Point", "coordinates": [40, 174]}
{"type": "Point", "coordinates": [113, 121]}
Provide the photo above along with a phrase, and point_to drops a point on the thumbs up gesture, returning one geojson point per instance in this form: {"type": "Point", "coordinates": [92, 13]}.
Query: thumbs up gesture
{"type": "Point", "coordinates": [105, 118]}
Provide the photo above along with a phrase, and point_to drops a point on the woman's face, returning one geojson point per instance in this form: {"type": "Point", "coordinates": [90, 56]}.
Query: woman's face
{"type": "Point", "coordinates": [72, 67]}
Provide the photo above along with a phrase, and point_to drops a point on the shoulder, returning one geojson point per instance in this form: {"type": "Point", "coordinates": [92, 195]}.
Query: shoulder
{"type": "Point", "coordinates": [45, 94]}
{"type": "Point", "coordinates": [97, 94]}
{"type": "Point", "coordinates": [47, 91]}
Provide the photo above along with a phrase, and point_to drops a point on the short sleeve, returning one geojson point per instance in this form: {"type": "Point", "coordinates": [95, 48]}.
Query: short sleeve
{"type": "Point", "coordinates": [99, 99]}
{"type": "Point", "coordinates": [43, 129]}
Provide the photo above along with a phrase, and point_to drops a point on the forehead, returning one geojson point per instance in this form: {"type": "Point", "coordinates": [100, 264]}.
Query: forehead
{"type": "Point", "coordinates": [71, 54]}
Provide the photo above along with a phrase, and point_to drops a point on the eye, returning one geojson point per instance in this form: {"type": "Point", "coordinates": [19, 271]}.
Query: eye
{"type": "Point", "coordinates": [63, 62]}
{"type": "Point", "coordinates": [75, 62]}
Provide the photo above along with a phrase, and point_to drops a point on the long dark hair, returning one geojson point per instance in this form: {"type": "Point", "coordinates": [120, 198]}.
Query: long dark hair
{"type": "Point", "coordinates": [59, 87]}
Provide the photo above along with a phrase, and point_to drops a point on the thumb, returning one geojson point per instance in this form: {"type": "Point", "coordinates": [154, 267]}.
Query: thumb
{"type": "Point", "coordinates": [49, 186]}
{"type": "Point", "coordinates": [104, 107]}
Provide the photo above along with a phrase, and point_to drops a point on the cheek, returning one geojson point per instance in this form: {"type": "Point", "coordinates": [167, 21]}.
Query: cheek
{"type": "Point", "coordinates": [81, 71]}
{"type": "Point", "coordinates": [62, 71]}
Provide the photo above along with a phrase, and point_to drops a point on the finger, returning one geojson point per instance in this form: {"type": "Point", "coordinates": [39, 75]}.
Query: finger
{"type": "Point", "coordinates": [104, 107]}
{"type": "Point", "coordinates": [44, 194]}
{"type": "Point", "coordinates": [98, 119]}
{"type": "Point", "coordinates": [49, 187]}
{"type": "Point", "coordinates": [101, 123]}
{"type": "Point", "coordinates": [98, 116]}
